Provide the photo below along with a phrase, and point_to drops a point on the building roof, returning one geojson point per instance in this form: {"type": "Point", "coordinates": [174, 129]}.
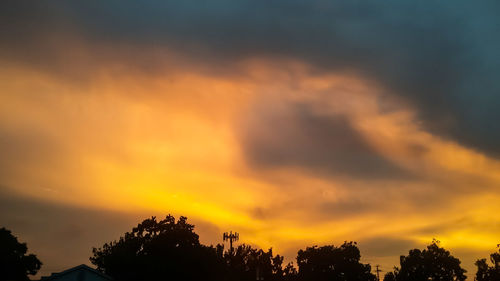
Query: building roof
{"type": "Point", "coordinates": [55, 276]}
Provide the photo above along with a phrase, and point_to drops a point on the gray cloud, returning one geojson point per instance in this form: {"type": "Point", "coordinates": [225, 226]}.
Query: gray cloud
{"type": "Point", "coordinates": [443, 58]}
{"type": "Point", "coordinates": [295, 136]}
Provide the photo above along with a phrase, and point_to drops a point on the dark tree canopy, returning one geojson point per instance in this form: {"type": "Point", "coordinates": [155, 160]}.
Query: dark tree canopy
{"type": "Point", "coordinates": [333, 263]}
{"type": "Point", "coordinates": [389, 276]}
{"type": "Point", "coordinates": [14, 263]}
{"type": "Point", "coordinates": [247, 263]}
{"type": "Point", "coordinates": [170, 250]}
{"type": "Point", "coordinates": [486, 272]}
{"type": "Point", "coordinates": [158, 250]}
{"type": "Point", "coordinates": [431, 264]}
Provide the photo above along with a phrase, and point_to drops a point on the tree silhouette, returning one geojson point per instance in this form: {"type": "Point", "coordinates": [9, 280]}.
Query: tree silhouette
{"type": "Point", "coordinates": [171, 250]}
{"type": "Point", "coordinates": [247, 263]}
{"type": "Point", "coordinates": [431, 264]}
{"type": "Point", "coordinates": [333, 263]}
{"type": "Point", "coordinates": [486, 272]}
{"type": "Point", "coordinates": [389, 276]}
{"type": "Point", "coordinates": [14, 263]}
{"type": "Point", "coordinates": [159, 250]}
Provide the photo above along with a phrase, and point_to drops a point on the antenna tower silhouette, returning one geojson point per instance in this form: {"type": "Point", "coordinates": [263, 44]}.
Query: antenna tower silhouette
{"type": "Point", "coordinates": [378, 271]}
{"type": "Point", "coordinates": [230, 236]}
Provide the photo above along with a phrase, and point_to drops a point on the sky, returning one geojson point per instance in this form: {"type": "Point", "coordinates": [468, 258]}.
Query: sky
{"type": "Point", "coordinates": [294, 123]}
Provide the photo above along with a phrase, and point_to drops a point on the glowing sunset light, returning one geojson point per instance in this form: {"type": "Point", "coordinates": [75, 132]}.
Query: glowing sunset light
{"type": "Point", "coordinates": [291, 132]}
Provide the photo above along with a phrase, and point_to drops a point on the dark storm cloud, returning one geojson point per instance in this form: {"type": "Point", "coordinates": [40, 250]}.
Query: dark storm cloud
{"type": "Point", "coordinates": [443, 57]}
{"type": "Point", "coordinates": [294, 135]}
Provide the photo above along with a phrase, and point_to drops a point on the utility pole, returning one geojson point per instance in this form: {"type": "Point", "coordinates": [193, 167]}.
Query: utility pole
{"type": "Point", "coordinates": [378, 271]}
{"type": "Point", "coordinates": [230, 237]}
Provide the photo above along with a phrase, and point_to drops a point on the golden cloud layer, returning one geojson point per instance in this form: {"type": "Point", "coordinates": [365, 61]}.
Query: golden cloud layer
{"type": "Point", "coordinates": [173, 141]}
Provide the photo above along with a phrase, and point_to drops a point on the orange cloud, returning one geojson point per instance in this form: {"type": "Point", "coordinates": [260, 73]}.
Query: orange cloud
{"type": "Point", "coordinates": [128, 140]}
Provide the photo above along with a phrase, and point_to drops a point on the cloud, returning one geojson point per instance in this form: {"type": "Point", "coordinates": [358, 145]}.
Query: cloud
{"type": "Point", "coordinates": [386, 246]}
{"type": "Point", "coordinates": [462, 224]}
{"type": "Point", "coordinates": [294, 135]}
{"type": "Point", "coordinates": [28, 148]}
{"type": "Point", "coordinates": [348, 208]}
{"type": "Point", "coordinates": [441, 58]}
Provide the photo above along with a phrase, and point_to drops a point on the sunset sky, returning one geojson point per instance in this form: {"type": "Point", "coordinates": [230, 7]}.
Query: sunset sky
{"type": "Point", "coordinates": [294, 123]}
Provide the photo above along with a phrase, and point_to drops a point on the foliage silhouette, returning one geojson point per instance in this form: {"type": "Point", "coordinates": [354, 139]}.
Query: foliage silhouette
{"type": "Point", "coordinates": [159, 250]}
{"type": "Point", "coordinates": [431, 264]}
{"type": "Point", "coordinates": [14, 263]}
{"type": "Point", "coordinates": [389, 276]}
{"type": "Point", "coordinates": [486, 272]}
{"type": "Point", "coordinates": [333, 263]}
{"type": "Point", "coordinates": [247, 263]}
{"type": "Point", "coordinates": [170, 250]}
